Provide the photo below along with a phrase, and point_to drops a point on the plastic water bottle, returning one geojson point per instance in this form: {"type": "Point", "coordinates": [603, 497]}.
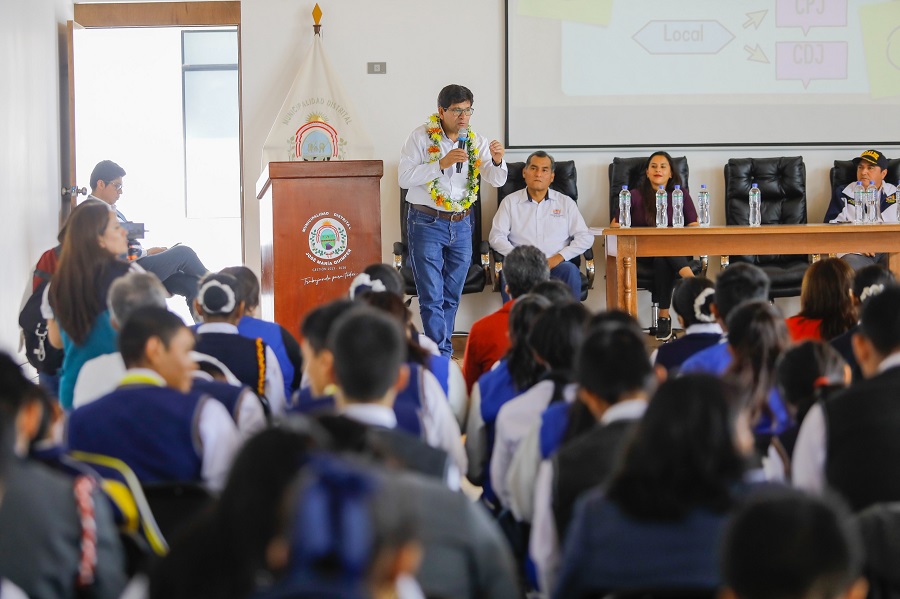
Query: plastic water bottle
{"type": "Point", "coordinates": [871, 204]}
{"type": "Point", "coordinates": [624, 207]}
{"type": "Point", "coordinates": [755, 206]}
{"type": "Point", "coordinates": [703, 216]}
{"type": "Point", "coordinates": [662, 207]}
{"type": "Point", "coordinates": [677, 207]}
{"type": "Point", "coordinates": [859, 212]}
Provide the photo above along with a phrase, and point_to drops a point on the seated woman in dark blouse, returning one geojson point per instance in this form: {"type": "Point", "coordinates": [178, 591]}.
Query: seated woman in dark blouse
{"type": "Point", "coordinates": [666, 269]}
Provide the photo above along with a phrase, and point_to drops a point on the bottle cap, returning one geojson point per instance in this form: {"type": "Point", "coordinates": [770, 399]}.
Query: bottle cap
{"type": "Point", "coordinates": [624, 188]}
{"type": "Point", "coordinates": [754, 185]}
{"type": "Point", "coordinates": [703, 186]}
{"type": "Point", "coordinates": [678, 187]}
{"type": "Point", "coordinates": [661, 188]}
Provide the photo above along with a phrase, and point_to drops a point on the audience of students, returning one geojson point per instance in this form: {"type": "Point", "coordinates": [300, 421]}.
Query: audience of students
{"type": "Point", "coordinates": [57, 536]}
{"type": "Point", "coordinates": [221, 306]}
{"type": "Point", "coordinates": [826, 302]}
{"type": "Point", "coordinates": [692, 299]}
{"type": "Point", "coordinates": [282, 342]}
{"type": "Point", "coordinates": [512, 375]}
{"type": "Point", "coordinates": [844, 443]}
{"type": "Point", "coordinates": [488, 340]}
{"type": "Point", "coordinates": [868, 282]}
{"type": "Point", "coordinates": [554, 338]}
{"type": "Point", "coordinates": [153, 421]}
{"type": "Point", "coordinates": [818, 551]}
{"type": "Point", "coordinates": [658, 522]}
{"type": "Point", "coordinates": [622, 493]}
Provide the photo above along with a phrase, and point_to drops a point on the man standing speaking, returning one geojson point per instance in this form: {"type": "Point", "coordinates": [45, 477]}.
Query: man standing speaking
{"type": "Point", "coordinates": [439, 165]}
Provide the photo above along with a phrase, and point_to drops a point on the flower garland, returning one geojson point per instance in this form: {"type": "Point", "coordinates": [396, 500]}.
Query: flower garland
{"type": "Point", "coordinates": [440, 197]}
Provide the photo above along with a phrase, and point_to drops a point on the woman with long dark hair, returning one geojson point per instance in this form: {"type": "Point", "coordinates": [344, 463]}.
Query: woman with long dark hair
{"type": "Point", "coordinates": [514, 374]}
{"type": "Point", "coordinates": [826, 302]}
{"type": "Point", "coordinates": [666, 269]}
{"type": "Point", "coordinates": [757, 336]}
{"type": "Point", "coordinates": [92, 257]}
{"type": "Point", "coordinates": [657, 523]}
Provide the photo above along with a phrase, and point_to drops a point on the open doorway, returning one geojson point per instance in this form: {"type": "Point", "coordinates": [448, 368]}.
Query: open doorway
{"type": "Point", "coordinates": [164, 103]}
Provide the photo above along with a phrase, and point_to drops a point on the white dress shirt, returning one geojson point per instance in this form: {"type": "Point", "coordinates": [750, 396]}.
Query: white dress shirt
{"type": "Point", "coordinates": [274, 385]}
{"type": "Point", "coordinates": [514, 420]}
{"type": "Point", "coordinates": [441, 428]}
{"type": "Point", "coordinates": [98, 376]}
{"type": "Point", "coordinates": [554, 225]}
{"type": "Point", "coordinates": [543, 545]}
{"type": "Point", "coordinates": [415, 172]}
{"type": "Point", "coordinates": [523, 471]}
{"type": "Point", "coordinates": [811, 448]}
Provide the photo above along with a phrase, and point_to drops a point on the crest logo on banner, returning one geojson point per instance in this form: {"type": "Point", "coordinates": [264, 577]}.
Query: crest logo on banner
{"type": "Point", "coordinates": [316, 121]}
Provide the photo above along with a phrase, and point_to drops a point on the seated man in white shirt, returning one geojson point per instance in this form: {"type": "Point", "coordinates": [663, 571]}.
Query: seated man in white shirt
{"type": "Point", "coordinates": [153, 421]}
{"type": "Point", "coordinates": [871, 169]}
{"type": "Point", "coordinates": [544, 218]}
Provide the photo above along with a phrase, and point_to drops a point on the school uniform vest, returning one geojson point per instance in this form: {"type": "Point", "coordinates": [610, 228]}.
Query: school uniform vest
{"type": "Point", "coordinates": [496, 387]}
{"type": "Point", "coordinates": [227, 395]}
{"type": "Point", "coordinates": [863, 447]}
{"type": "Point", "coordinates": [271, 334]}
{"type": "Point", "coordinates": [554, 422]}
{"type": "Point", "coordinates": [244, 357]}
{"type": "Point", "coordinates": [152, 429]}
{"type": "Point", "coordinates": [582, 464]}
{"type": "Point", "coordinates": [408, 403]}
{"type": "Point", "coordinates": [410, 452]}
{"type": "Point", "coordinates": [440, 368]}
{"type": "Point", "coordinates": [672, 355]}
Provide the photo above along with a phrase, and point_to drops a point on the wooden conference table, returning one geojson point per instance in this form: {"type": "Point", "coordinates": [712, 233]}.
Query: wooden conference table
{"type": "Point", "coordinates": [623, 246]}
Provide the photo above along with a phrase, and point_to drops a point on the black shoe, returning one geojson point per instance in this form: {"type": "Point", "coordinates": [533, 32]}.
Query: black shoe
{"type": "Point", "coordinates": [664, 329]}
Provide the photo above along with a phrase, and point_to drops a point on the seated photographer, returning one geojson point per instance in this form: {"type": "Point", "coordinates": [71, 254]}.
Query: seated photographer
{"type": "Point", "coordinates": [178, 267]}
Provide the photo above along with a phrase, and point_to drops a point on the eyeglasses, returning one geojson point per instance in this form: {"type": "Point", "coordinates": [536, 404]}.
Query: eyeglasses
{"type": "Point", "coordinates": [461, 111]}
{"type": "Point", "coordinates": [118, 186]}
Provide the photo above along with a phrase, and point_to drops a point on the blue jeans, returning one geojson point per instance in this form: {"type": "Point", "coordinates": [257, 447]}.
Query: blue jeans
{"type": "Point", "coordinates": [179, 269]}
{"type": "Point", "coordinates": [440, 253]}
{"type": "Point", "coordinates": [565, 271]}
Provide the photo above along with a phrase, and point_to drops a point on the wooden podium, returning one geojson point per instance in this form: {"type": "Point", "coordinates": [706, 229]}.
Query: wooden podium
{"type": "Point", "coordinates": [320, 226]}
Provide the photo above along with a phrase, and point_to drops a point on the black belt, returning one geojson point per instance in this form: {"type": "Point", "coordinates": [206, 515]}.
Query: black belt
{"type": "Point", "coordinates": [451, 216]}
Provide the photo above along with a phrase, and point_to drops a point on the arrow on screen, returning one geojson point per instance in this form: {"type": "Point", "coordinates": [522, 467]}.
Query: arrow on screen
{"type": "Point", "coordinates": [756, 54]}
{"type": "Point", "coordinates": [755, 18]}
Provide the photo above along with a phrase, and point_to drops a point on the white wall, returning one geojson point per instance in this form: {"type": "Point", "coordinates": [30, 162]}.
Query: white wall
{"type": "Point", "coordinates": [30, 41]}
{"type": "Point", "coordinates": [426, 47]}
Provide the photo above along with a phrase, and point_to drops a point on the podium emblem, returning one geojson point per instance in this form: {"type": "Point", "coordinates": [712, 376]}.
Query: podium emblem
{"type": "Point", "coordinates": [327, 239]}
{"type": "Point", "coordinates": [316, 140]}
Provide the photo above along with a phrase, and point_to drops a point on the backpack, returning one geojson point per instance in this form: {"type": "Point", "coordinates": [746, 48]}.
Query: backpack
{"type": "Point", "coordinates": [38, 351]}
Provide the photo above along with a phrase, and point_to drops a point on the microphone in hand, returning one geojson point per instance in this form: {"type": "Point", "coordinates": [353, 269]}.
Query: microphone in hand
{"type": "Point", "coordinates": [461, 144]}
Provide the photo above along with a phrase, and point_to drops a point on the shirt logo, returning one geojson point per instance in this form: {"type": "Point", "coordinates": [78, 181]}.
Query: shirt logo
{"type": "Point", "coordinates": [556, 212]}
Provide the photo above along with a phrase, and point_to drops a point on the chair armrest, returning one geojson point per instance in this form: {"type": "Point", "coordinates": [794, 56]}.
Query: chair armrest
{"type": "Point", "coordinates": [495, 271]}
{"type": "Point", "coordinates": [398, 254]}
{"type": "Point", "coordinates": [589, 268]}
{"type": "Point", "coordinates": [485, 250]}
{"type": "Point", "coordinates": [704, 265]}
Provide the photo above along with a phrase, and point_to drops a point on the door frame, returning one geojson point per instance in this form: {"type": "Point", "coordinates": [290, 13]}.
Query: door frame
{"type": "Point", "coordinates": [146, 14]}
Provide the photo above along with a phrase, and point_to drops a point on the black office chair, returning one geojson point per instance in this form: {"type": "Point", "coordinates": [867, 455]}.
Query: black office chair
{"type": "Point", "coordinates": [843, 173]}
{"type": "Point", "coordinates": [630, 172]}
{"type": "Point", "coordinates": [176, 504]}
{"type": "Point", "coordinates": [479, 271]}
{"type": "Point", "coordinates": [565, 182]}
{"type": "Point", "coordinates": [782, 185]}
